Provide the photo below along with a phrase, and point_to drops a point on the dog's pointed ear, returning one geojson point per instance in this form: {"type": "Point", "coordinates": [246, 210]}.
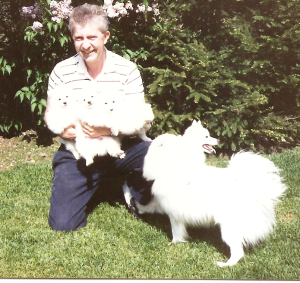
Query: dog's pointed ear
{"type": "Point", "coordinates": [200, 124]}
{"type": "Point", "coordinates": [194, 123]}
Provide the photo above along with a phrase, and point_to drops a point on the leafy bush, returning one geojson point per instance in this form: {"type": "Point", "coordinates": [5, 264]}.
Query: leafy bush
{"type": "Point", "coordinates": [232, 64]}
{"type": "Point", "coordinates": [29, 54]}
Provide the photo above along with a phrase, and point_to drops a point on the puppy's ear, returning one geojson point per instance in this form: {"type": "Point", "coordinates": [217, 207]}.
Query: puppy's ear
{"type": "Point", "coordinates": [50, 92]}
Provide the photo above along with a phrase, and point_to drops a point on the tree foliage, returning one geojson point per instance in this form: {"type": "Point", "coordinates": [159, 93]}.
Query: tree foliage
{"type": "Point", "coordinates": [233, 64]}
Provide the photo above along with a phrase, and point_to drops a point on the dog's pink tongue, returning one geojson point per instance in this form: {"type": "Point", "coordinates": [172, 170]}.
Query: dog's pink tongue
{"type": "Point", "coordinates": [209, 149]}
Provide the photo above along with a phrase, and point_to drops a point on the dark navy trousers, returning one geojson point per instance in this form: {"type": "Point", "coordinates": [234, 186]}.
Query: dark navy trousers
{"type": "Point", "coordinates": [74, 183]}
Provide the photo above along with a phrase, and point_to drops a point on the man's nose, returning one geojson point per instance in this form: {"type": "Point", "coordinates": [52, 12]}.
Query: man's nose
{"type": "Point", "coordinates": [85, 44]}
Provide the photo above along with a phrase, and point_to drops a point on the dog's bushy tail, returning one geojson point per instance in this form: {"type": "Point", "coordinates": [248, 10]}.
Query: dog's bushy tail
{"type": "Point", "coordinates": [260, 182]}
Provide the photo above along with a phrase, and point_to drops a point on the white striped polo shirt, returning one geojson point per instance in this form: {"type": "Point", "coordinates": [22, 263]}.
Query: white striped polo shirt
{"type": "Point", "coordinates": [118, 74]}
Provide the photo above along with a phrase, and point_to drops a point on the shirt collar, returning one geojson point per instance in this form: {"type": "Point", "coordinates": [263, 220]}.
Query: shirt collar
{"type": "Point", "coordinates": [81, 68]}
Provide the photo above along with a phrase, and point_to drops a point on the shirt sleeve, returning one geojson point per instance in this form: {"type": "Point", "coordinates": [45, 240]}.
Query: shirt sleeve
{"type": "Point", "coordinates": [54, 79]}
{"type": "Point", "coordinates": [134, 88]}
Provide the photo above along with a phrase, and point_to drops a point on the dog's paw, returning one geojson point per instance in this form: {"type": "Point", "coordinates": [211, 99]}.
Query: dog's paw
{"type": "Point", "coordinates": [121, 155]}
{"type": "Point", "coordinates": [114, 131]}
{"type": "Point", "coordinates": [76, 155]}
{"type": "Point", "coordinates": [221, 264]}
{"type": "Point", "coordinates": [88, 162]}
{"type": "Point", "coordinates": [133, 209]}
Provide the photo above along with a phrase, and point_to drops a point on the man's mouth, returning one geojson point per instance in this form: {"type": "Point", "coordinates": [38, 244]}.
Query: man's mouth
{"type": "Point", "coordinates": [87, 52]}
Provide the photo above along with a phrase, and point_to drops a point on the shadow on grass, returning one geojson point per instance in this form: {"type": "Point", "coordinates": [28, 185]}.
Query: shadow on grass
{"type": "Point", "coordinates": [211, 235]}
{"type": "Point", "coordinates": [110, 191]}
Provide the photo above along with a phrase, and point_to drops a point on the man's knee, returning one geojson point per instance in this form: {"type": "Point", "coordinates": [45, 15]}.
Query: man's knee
{"type": "Point", "coordinates": [65, 223]}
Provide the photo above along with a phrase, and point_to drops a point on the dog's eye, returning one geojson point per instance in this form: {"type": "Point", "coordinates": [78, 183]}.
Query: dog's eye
{"type": "Point", "coordinates": [59, 99]}
{"type": "Point", "coordinates": [113, 102]}
{"type": "Point", "coordinates": [67, 96]}
{"type": "Point", "coordinates": [206, 137]}
{"type": "Point", "coordinates": [105, 102]}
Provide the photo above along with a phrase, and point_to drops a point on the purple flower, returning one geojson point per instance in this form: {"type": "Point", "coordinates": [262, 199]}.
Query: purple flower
{"type": "Point", "coordinates": [60, 10]}
{"type": "Point", "coordinates": [27, 11]}
{"type": "Point", "coordinates": [128, 6]}
{"type": "Point", "coordinates": [37, 26]}
{"type": "Point", "coordinates": [32, 11]}
{"type": "Point", "coordinates": [140, 8]}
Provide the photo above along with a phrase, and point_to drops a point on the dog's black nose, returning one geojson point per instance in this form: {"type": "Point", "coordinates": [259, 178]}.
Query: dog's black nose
{"type": "Point", "coordinates": [89, 102]}
{"type": "Point", "coordinates": [65, 103]}
{"type": "Point", "coordinates": [111, 109]}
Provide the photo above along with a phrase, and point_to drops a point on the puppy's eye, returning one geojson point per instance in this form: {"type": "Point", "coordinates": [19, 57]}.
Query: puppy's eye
{"type": "Point", "coordinates": [67, 96]}
{"type": "Point", "coordinates": [206, 137]}
{"type": "Point", "coordinates": [105, 102]}
{"type": "Point", "coordinates": [59, 99]}
{"type": "Point", "coordinates": [113, 102]}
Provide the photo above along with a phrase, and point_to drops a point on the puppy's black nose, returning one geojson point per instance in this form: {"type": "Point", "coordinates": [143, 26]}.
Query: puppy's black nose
{"type": "Point", "coordinates": [89, 102]}
{"type": "Point", "coordinates": [65, 103]}
{"type": "Point", "coordinates": [111, 109]}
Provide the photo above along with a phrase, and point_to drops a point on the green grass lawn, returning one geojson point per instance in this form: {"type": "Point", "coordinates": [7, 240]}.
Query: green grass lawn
{"type": "Point", "coordinates": [116, 245]}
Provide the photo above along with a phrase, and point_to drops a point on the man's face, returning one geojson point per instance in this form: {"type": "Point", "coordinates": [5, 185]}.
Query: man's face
{"type": "Point", "coordinates": [89, 42]}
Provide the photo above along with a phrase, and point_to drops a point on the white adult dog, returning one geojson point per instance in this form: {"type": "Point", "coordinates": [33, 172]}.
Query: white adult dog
{"type": "Point", "coordinates": [240, 198]}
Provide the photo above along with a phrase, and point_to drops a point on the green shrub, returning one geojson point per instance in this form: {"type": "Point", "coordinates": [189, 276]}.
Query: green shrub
{"type": "Point", "coordinates": [232, 64]}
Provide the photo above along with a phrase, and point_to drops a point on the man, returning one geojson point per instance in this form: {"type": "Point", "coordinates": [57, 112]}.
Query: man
{"type": "Point", "coordinates": [74, 184]}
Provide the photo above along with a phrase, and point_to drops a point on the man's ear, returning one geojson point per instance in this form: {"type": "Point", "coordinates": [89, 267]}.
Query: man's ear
{"type": "Point", "coordinates": [107, 34]}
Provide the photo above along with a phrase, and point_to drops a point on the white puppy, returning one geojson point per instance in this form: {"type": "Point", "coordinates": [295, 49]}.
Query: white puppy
{"type": "Point", "coordinates": [134, 118]}
{"type": "Point", "coordinates": [240, 198]}
{"type": "Point", "coordinates": [97, 109]}
{"type": "Point", "coordinates": [61, 112]}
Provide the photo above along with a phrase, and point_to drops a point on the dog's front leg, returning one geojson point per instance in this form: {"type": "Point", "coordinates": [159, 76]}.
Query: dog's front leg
{"type": "Point", "coordinates": [178, 230]}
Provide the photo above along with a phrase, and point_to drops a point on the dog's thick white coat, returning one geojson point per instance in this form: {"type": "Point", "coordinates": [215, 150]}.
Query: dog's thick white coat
{"type": "Point", "coordinates": [110, 109]}
{"type": "Point", "coordinates": [61, 112]}
{"type": "Point", "coordinates": [97, 110]}
{"type": "Point", "coordinates": [240, 198]}
{"type": "Point", "coordinates": [106, 108]}
{"type": "Point", "coordinates": [134, 118]}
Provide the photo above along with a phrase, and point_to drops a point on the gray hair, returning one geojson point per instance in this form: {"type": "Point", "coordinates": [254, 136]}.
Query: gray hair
{"type": "Point", "coordinates": [88, 13]}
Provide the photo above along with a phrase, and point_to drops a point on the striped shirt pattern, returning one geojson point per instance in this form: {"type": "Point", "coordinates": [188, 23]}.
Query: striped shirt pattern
{"type": "Point", "coordinates": [118, 74]}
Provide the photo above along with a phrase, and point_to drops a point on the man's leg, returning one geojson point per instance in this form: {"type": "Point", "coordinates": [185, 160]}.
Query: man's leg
{"type": "Point", "coordinates": [73, 186]}
{"type": "Point", "coordinates": [132, 166]}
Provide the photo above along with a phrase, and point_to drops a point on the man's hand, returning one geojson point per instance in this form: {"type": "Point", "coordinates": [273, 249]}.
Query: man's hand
{"type": "Point", "coordinates": [69, 133]}
{"type": "Point", "coordinates": [95, 132]}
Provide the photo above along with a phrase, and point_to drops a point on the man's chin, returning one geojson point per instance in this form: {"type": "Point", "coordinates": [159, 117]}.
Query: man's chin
{"type": "Point", "coordinates": [88, 56]}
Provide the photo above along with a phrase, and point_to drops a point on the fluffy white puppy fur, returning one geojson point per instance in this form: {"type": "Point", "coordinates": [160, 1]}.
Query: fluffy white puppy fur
{"type": "Point", "coordinates": [97, 110]}
{"type": "Point", "coordinates": [114, 110]}
{"type": "Point", "coordinates": [134, 118]}
{"type": "Point", "coordinates": [240, 198]}
{"type": "Point", "coordinates": [61, 112]}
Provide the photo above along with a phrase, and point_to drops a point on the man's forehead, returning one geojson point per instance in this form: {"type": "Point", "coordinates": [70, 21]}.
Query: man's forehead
{"type": "Point", "coordinates": [89, 27]}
